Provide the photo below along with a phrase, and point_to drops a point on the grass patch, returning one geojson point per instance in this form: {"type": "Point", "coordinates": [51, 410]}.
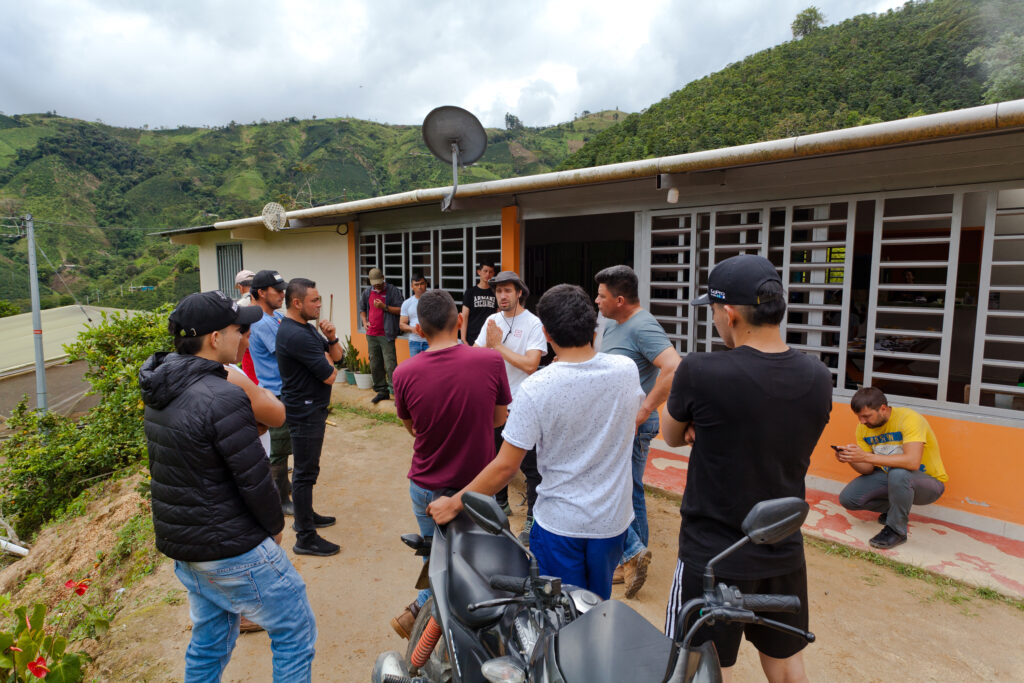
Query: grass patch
{"type": "Point", "coordinates": [366, 413]}
{"type": "Point", "coordinates": [946, 589]}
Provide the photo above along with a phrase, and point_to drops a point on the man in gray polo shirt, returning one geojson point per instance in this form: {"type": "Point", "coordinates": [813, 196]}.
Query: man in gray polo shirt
{"type": "Point", "coordinates": [633, 332]}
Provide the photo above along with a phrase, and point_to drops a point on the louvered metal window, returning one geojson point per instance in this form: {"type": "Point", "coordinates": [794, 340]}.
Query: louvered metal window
{"type": "Point", "coordinates": [229, 262]}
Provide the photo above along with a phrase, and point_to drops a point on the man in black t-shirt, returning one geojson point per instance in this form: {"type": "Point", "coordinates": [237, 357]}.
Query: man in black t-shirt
{"type": "Point", "coordinates": [305, 357]}
{"type": "Point", "coordinates": [477, 303]}
{"type": "Point", "coordinates": [753, 415]}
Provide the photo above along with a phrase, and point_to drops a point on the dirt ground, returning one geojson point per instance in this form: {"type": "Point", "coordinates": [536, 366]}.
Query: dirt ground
{"type": "Point", "coordinates": [871, 624]}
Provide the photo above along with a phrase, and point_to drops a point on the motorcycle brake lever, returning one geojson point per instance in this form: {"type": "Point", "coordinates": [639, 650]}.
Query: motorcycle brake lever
{"type": "Point", "coordinates": [472, 607]}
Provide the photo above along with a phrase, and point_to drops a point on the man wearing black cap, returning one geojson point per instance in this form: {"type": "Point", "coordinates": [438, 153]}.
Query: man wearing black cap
{"type": "Point", "coordinates": [753, 414]}
{"type": "Point", "coordinates": [268, 293]}
{"type": "Point", "coordinates": [215, 507]}
{"type": "Point", "coordinates": [518, 335]}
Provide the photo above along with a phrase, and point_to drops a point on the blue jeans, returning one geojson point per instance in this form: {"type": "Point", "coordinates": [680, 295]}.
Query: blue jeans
{"type": "Point", "coordinates": [421, 498]}
{"type": "Point", "coordinates": [638, 536]}
{"type": "Point", "coordinates": [260, 584]}
{"type": "Point", "coordinates": [416, 347]}
{"type": "Point", "coordinates": [585, 562]}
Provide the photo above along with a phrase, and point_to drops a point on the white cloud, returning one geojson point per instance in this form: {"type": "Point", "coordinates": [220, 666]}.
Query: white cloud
{"type": "Point", "coordinates": [193, 62]}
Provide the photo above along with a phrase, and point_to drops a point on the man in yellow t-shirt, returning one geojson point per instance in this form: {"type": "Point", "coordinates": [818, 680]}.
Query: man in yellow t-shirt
{"type": "Point", "coordinates": [897, 456]}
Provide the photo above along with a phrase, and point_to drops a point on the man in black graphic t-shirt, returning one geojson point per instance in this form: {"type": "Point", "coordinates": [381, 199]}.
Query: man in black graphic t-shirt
{"type": "Point", "coordinates": [477, 303]}
{"type": "Point", "coordinates": [305, 357]}
{"type": "Point", "coordinates": [753, 414]}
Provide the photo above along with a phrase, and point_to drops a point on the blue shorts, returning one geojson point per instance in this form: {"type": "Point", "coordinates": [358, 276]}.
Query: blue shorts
{"type": "Point", "coordinates": [585, 562]}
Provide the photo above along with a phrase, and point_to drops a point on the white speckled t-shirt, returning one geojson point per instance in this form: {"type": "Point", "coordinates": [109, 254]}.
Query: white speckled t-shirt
{"type": "Point", "coordinates": [581, 418]}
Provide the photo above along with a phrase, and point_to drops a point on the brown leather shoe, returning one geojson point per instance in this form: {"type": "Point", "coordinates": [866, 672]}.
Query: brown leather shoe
{"type": "Point", "coordinates": [617, 576]}
{"type": "Point", "coordinates": [247, 626]}
{"type": "Point", "coordinates": [635, 572]}
{"type": "Point", "coordinates": [404, 621]}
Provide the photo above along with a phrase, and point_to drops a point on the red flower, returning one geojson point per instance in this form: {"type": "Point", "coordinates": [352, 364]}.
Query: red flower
{"type": "Point", "coordinates": [79, 587]}
{"type": "Point", "coordinates": [38, 668]}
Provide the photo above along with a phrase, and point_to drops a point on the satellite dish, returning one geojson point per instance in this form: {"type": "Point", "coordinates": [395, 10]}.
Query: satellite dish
{"type": "Point", "coordinates": [454, 135]}
{"type": "Point", "coordinates": [274, 216]}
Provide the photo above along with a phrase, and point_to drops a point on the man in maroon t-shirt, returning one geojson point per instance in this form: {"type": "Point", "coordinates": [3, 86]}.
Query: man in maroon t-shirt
{"type": "Point", "coordinates": [450, 397]}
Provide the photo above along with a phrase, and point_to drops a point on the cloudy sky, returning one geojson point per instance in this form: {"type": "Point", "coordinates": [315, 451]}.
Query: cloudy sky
{"type": "Point", "coordinates": [175, 62]}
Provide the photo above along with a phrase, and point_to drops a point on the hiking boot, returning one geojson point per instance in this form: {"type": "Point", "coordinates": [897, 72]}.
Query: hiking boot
{"type": "Point", "coordinates": [618, 576]}
{"type": "Point", "coordinates": [316, 546]}
{"type": "Point", "coordinates": [524, 535]}
{"type": "Point", "coordinates": [403, 622]}
{"type": "Point", "coordinates": [883, 519]}
{"type": "Point", "coordinates": [381, 396]}
{"type": "Point", "coordinates": [634, 572]}
{"type": "Point", "coordinates": [246, 626]}
{"type": "Point", "coordinates": [319, 521]}
{"type": "Point", "coordinates": [887, 538]}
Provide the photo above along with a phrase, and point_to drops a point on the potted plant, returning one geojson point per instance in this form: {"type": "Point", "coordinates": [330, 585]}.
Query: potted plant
{"type": "Point", "coordinates": [364, 380]}
{"type": "Point", "coordinates": [350, 360]}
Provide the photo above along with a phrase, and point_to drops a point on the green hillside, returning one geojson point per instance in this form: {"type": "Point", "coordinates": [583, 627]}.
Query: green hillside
{"type": "Point", "coordinates": [70, 173]}
{"type": "Point", "coordinates": [870, 68]}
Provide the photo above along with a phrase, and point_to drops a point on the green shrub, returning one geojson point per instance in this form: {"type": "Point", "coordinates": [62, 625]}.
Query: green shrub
{"type": "Point", "coordinates": [49, 459]}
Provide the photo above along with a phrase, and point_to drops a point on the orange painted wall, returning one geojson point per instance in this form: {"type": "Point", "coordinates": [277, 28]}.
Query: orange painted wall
{"type": "Point", "coordinates": [511, 231]}
{"type": "Point", "coordinates": [983, 462]}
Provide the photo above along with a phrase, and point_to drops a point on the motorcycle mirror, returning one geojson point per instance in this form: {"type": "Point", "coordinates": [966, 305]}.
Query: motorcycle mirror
{"type": "Point", "coordinates": [770, 521]}
{"type": "Point", "coordinates": [485, 511]}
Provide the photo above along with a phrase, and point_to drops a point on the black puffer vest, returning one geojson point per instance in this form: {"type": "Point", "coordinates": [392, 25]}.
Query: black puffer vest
{"type": "Point", "coordinates": [213, 496]}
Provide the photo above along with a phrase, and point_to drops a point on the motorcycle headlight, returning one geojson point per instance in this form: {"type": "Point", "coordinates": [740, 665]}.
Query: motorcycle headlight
{"type": "Point", "coordinates": [502, 670]}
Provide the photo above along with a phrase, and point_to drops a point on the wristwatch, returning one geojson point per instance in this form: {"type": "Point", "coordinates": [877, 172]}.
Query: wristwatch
{"type": "Point", "coordinates": [331, 342]}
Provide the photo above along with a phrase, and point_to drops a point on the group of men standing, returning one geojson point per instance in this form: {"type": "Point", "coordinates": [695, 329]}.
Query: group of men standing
{"type": "Point", "coordinates": [580, 429]}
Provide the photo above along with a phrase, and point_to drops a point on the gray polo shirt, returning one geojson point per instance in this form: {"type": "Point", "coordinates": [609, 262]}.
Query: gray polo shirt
{"type": "Point", "coordinates": [641, 339]}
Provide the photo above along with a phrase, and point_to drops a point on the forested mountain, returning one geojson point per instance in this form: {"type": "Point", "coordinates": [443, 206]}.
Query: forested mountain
{"type": "Point", "coordinates": [929, 56]}
{"type": "Point", "coordinates": [870, 68]}
{"type": "Point", "coordinates": [70, 173]}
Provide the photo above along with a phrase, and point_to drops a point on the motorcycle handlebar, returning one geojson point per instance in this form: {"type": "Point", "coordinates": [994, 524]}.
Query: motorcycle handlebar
{"type": "Point", "coordinates": [513, 584]}
{"type": "Point", "coordinates": [763, 602]}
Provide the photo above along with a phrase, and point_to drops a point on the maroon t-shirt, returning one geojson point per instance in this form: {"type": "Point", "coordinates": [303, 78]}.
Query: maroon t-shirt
{"type": "Point", "coordinates": [450, 396]}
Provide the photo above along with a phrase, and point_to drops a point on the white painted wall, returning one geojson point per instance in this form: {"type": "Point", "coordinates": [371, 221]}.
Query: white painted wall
{"type": "Point", "coordinates": [320, 254]}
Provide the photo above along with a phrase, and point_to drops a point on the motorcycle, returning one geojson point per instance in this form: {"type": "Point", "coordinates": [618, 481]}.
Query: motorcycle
{"type": "Point", "coordinates": [489, 607]}
{"type": "Point", "coordinates": [608, 641]}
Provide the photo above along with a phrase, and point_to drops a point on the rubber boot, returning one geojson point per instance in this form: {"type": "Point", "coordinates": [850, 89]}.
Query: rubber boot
{"type": "Point", "coordinates": [279, 471]}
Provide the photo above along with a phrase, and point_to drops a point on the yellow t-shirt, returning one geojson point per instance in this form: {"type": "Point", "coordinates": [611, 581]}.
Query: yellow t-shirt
{"type": "Point", "coordinates": [904, 426]}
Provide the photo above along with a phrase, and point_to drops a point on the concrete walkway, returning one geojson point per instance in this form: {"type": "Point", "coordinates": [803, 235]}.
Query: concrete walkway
{"type": "Point", "coordinates": [974, 557]}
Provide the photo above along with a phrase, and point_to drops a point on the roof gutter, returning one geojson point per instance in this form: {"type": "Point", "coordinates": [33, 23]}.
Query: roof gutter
{"type": "Point", "coordinates": [962, 122]}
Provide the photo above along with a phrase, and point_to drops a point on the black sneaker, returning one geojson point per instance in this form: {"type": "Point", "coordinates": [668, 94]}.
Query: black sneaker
{"type": "Point", "coordinates": [319, 521]}
{"type": "Point", "coordinates": [883, 519]}
{"type": "Point", "coordinates": [316, 546]}
{"type": "Point", "coordinates": [381, 396]}
{"type": "Point", "coordinates": [887, 538]}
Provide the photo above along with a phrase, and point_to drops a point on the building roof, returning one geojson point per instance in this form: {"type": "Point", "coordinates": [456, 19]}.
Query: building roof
{"type": "Point", "coordinates": [60, 326]}
{"type": "Point", "coordinates": [961, 123]}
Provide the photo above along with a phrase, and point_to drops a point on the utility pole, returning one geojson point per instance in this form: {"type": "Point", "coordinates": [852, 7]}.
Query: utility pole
{"type": "Point", "coordinates": [37, 324]}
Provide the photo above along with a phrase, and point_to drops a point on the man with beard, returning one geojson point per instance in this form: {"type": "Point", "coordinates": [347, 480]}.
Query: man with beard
{"type": "Point", "coordinates": [305, 357]}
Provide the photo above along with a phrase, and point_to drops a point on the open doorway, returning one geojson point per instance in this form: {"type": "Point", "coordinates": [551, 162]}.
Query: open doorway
{"type": "Point", "coordinates": [572, 249]}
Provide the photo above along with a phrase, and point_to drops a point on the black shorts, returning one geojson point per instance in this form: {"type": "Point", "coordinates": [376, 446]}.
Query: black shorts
{"type": "Point", "coordinates": [688, 583]}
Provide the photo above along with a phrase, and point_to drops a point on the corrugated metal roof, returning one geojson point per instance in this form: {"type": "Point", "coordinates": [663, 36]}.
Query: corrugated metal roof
{"type": "Point", "coordinates": [988, 119]}
{"type": "Point", "coordinates": [60, 326]}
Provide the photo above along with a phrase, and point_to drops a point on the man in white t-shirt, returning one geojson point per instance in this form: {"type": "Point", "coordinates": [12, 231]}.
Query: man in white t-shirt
{"type": "Point", "coordinates": [579, 414]}
{"type": "Point", "coordinates": [518, 336]}
{"type": "Point", "coordinates": [408, 320]}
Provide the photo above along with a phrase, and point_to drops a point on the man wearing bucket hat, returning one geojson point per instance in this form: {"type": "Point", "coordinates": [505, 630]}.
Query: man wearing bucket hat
{"type": "Point", "coordinates": [380, 307]}
{"type": "Point", "coordinates": [753, 414]}
{"type": "Point", "coordinates": [215, 506]}
{"type": "Point", "coordinates": [518, 335]}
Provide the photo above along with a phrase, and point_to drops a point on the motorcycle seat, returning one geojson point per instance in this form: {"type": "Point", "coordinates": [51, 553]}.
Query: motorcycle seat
{"type": "Point", "coordinates": [475, 556]}
{"type": "Point", "coordinates": [612, 642]}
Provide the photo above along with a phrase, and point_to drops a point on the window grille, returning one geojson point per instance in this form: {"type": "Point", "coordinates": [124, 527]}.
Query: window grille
{"type": "Point", "coordinates": [229, 262]}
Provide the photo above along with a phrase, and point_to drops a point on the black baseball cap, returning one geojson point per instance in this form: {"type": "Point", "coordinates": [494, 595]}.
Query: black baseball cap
{"type": "Point", "coordinates": [205, 312]}
{"type": "Point", "coordinates": [736, 281]}
{"type": "Point", "coordinates": [269, 278]}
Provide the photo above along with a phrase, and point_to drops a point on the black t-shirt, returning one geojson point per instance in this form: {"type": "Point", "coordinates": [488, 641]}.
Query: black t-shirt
{"type": "Point", "coordinates": [757, 417]}
{"type": "Point", "coordinates": [300, 357]}
{"type": "Point", "coordinates": [481, 303]}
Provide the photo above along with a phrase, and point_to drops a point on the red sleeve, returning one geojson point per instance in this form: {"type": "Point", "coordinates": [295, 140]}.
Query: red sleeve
{"type": "Point", "coordinates": [248, 368]}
